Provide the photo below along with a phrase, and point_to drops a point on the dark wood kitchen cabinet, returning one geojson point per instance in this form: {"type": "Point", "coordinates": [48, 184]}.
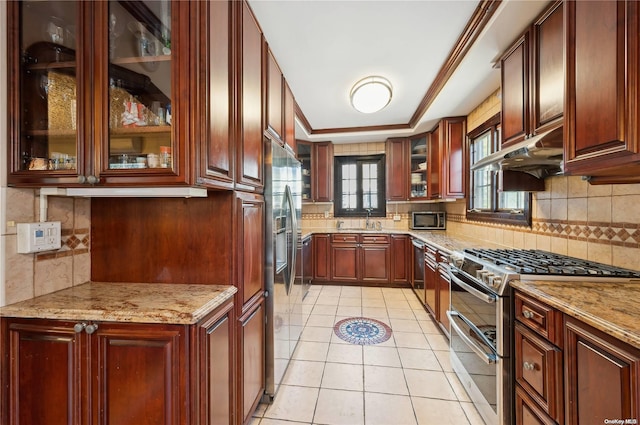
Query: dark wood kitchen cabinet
{"type": "Point", "coordinates": [360, 258]}
{"type": "Point", "coordinates": [603, 90]}
{"type": "Point", "coordinates": [532, 75]}
{"type": "Point", "coordinates": [251, 358]}
{"type": "Point", "coordinates": [453, 138]}
{"type": "Point", "coordinates": [322, 173]}
{"type": "Point", "coordinates": [602, 376]}
{"type": "Point", "coordinates": [568, 372]}
{"type": "Point", "coordinates": [289, 118]}
{"type": "Point", "coordinates": [317, 170]}
{"type": "Point", "coordinates": [78, 372]}
{"type": "Point", "coordinates": [321, 256]}
{"type": "Point", "coordinates": [274, 97]}
{"type": "Point", "coordinates": [90, 99]}
{"type": "Point", "coordinates": [397, 169]}
{"type": "Point", "coordinates": [443, 289]}
{"type": "Point", "coordinates": [400, 259]}
{"type": "Point", "coordinates": [250, 210]}
{"type": "Point", "coordinates": [250, 152]}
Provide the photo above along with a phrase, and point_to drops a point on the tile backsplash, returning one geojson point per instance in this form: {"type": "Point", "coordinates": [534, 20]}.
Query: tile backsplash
{"type": "Point", "coordinates": [30, 275]}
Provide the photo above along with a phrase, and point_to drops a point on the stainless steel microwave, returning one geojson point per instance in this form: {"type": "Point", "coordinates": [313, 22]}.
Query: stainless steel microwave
{"type": "Point", "coordinates": [428, 220]}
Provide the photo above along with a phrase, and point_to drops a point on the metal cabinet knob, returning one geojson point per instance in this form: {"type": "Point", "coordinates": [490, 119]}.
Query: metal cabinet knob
{"type": "Point", "coordinates": [92, 179]}
{"type": "Point", "coordinates": [529, 366]}
{"type": "Point", "coordinates": [91, 328]}
{"type": "Point", "coordinates": [79, 327]}
{"type": "Point", "coordinates": [527, 314]}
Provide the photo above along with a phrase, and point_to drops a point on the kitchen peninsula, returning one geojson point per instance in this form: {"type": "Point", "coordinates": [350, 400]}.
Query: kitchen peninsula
{"type": "Point", "coordinates": [98, 347]}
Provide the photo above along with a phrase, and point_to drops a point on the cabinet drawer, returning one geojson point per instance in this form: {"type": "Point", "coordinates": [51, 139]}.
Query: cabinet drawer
{"type": "Point", "coordinates": [538, 370]}
{"type": "Point", "coordinates": [375, 239]}
{"type": "Point", "coordinates": [527, 412]}
{"type": "Point", "coordinates": [344, 238]}
{"type": "Point", "coordinates": [539, 317]}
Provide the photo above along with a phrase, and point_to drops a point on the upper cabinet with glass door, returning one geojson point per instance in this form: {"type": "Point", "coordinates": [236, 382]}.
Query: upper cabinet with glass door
{"type": "Point", "coordinates": [99, 92]}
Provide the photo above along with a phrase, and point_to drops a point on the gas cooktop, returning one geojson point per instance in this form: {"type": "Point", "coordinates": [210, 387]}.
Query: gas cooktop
{"type": "Point", "coordinates": [538, 262]}
{"type": "Point", "coordinates": [495, 268]}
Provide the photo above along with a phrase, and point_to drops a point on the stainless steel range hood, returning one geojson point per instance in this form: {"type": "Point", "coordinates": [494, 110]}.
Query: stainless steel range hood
{"type": "Point", "coordinates": [540, 156]}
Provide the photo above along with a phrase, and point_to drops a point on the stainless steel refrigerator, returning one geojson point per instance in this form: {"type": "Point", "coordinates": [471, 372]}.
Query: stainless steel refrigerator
{"type": "Point", "coordinates": [283, 271]}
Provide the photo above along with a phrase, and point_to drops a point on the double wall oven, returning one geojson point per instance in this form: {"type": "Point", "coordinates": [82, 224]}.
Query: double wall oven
{"type": "Point", "coordinates": [481, 316]}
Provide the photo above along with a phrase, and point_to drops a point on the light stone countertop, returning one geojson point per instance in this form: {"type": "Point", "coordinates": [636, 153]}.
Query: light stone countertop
{"type": "Point", "coordinates": [126, 302]}
{"type": "Point", "coordinates": [611, 307]}
{"type": "Point", "coordinates": [438, 238]}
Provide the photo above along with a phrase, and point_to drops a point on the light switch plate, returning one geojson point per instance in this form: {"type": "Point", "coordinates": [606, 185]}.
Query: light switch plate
{"type": "Point", "coordinates": [37, 237]}
{"type": "Point", "coordinates": [396, 217]}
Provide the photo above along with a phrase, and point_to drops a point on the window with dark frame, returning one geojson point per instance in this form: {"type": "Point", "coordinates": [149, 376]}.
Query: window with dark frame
{"type": "Point", "coordinates": [485, 202]}
{"type": "Point", "coordinates": [359, 186]}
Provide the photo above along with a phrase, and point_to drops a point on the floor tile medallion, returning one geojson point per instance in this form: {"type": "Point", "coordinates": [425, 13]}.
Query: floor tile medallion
{"type": "Point", "coordinates": [362, 331]}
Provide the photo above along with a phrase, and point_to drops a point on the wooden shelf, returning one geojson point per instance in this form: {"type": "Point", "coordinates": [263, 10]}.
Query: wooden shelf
{"type": "Point", "coordinates": [141, 59]}
{"type": "Point", "coordinates": [124, 131]}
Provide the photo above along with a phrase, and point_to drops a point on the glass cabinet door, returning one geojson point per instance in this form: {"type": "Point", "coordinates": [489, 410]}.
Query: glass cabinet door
{"type": "Point", "coordinates": [139, 79]}
{"type": "Point", "coordinates": [46, 97]}
{"type": "Point", "coordinates": [419, 167]}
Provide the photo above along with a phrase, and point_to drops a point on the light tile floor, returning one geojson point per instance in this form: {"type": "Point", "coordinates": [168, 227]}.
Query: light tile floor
{"type": "Point", "coordinates": [405, 380]}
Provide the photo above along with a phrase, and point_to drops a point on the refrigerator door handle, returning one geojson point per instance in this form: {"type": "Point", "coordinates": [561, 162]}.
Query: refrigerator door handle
{"type": "Point", "coordinates": [294, 237]}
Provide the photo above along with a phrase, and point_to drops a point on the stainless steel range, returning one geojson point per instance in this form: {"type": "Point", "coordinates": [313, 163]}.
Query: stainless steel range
{"type": "Point", "coordinates": [481, 316]}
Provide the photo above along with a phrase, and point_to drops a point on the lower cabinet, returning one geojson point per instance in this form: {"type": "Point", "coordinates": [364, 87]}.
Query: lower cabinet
{"type": "Point", "coordinates": [321, 254]}
{"type": "Point", "coordinates": [400, 259]}
{"type": "Point", "coordinates": [251, 356]}
{"type": "Point", "coordinates": [602, 376]}
{"type": "Point", "coordinates": [360, 258]}
{"type": "Point", "coordinates": [74, 372]}
{"type": "Point", "coordinates": [568, 372]}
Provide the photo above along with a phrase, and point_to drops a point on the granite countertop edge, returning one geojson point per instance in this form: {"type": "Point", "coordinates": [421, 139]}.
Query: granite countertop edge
{"type": "Point", "coordinates": [604, 306]}
{"type": "Point", "coordinates": [181, 304]}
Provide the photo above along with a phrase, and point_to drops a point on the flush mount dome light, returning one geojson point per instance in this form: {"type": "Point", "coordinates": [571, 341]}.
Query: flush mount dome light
{"type": "Point", "coordinates": [371, 94]}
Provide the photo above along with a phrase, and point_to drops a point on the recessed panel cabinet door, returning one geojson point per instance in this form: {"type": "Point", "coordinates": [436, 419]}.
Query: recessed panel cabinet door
{"type": "Point", "coordinates": [249, 146]}
{"type": "Point", "coordinates": [322, 172]}
{"type": "Point", "coordinates": [138, 379]}
{"type": "Point", "coordinates": [251, 251]}
{"type": "Point", "coordinates": [397, 172]}
{"type": "Point", "coordinates": [601, 376]}
{"type": "Point", "coordinates": [41, 373]}
{"type": "Point", "coordinates": [603, 87]}
{"type": "Point", "coordinates": [251, 357]}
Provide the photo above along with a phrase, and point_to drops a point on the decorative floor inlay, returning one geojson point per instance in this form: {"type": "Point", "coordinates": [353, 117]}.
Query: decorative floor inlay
{"type": "Point", "coordinates": [362, 330]}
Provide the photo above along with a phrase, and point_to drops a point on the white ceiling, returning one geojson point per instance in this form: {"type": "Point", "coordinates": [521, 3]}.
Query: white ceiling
{"type": "Point", "coordinates": [323, 47]}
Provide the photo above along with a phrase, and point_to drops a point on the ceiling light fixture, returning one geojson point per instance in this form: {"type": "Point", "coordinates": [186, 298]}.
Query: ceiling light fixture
{"type": "Point", "coordinates": [371, 94]}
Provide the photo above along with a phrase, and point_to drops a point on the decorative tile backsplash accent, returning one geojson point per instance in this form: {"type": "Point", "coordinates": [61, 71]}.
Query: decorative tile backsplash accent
{"type": "Point", "coordinates": [619, 234]}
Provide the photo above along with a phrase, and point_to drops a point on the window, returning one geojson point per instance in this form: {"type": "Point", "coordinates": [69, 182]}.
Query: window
{"type": "Point", "coordinates": [359, 186]}
{"type": "Point", "coordinates": [485, 202]}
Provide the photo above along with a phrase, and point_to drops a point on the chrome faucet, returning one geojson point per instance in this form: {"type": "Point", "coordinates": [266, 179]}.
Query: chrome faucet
{"type": "Point", "coordinates": [369, 224]}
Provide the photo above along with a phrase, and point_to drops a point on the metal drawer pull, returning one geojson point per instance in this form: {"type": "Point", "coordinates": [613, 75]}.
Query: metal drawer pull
{"type": "Point", "coordinates": [529, 366]}
{"type": "Point", "coordinates": [527, 314]}
{"type": "Point", "coordinates": [79, 327]}
{"type": "Point", "coordinates": [91, 329]}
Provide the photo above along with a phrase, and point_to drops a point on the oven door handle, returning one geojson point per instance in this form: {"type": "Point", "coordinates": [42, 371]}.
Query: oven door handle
{"type": "Point", "coordinates": [489, 358]}
{"type": "Point", "coordinates": [488, 298]}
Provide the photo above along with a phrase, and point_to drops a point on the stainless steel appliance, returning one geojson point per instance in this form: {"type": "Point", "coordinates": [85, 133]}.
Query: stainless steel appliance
{"type": "Point", "coordinates": [284, 287]}
{"type": "Point", "coordinates": [481, 316]}
{"type": "Point", "coordinates": [417, 274]}
{"type": "Point", "coordinates": [428, 220]}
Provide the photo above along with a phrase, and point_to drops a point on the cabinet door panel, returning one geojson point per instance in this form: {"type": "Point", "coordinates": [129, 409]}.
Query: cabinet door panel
{"type": "Point", "coordinates": [44, 380]}
{"type": "Point", "coordinates": [250, 152]}
{"type": "Point", "coordinates": [322, 176]}
{"type": "Point", "coordinates": [344, 262]}
{"type": "Point", "coordinates": [601, 376]}
{"type": "Point", "coordinates": [252, 339]}
{"type": "Point", "coordinates": [397, 174]}
{"type": "Point", "coordinates": [548, 96]}
{"type": "Point", "coordinates": [217, 161]}
{"type": "Point", "coordinates": [400, 258]}
{"type": "Point", "coordinates": [515, 92]}
{"type": "Point", "coordinates": [375, 263]}
{"type": "Point", "coordinates": [251, 252]}
{"type": "Point", "coordinates": [321, 256]}
{"type": "Point", "coordinates": [289, 118]}
{"type": "Point", "coordinates": [139, 374]}
{"type": "Point", "coordinates": [454, 157]}
{"type": "Point", "coordinates": [274, 96]}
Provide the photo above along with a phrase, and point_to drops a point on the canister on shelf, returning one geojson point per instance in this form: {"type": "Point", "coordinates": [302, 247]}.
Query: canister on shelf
{"type": "Point", "coordinates": [165, 156]}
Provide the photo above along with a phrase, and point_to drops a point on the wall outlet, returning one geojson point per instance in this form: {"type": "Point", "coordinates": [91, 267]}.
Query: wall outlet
{"type": "Point", "coordinates": [37, 237]}
{"type": "Point", "coordinates": [326, 214]}
{"type": "Point", "coordinates": [396, 217]}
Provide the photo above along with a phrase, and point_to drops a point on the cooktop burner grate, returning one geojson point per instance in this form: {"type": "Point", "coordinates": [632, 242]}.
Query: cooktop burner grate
{"type": "Point", "coordinates": [536, 262]}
